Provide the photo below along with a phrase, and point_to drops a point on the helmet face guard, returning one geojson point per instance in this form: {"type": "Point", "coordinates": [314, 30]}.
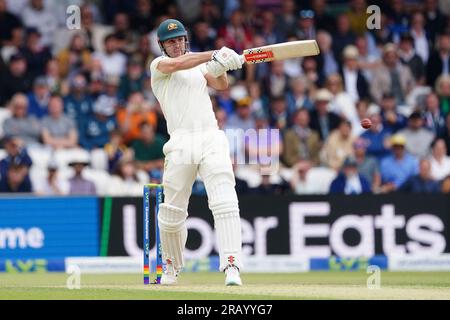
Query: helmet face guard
{"type": "Point", "coordinates": [170, 29]}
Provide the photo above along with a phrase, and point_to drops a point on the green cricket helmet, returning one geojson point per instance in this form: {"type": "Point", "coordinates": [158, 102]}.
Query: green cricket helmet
{"type": "Point", "coordinates": [169, 29]}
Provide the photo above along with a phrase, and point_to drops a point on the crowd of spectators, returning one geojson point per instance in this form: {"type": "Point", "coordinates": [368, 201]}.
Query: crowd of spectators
{"type": "Point", "coordinates": [78, 116]}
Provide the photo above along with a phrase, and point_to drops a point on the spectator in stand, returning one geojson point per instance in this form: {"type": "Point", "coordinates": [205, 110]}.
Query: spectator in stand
{"type": "Point", "coordinates": [342, 35]}
{"type": "Point", "coordinates": [22, 125]}
{"type": "Point", "coordinates": [368, 166]}
{"type": "Point", "coordinates": [78, 185]}
{"type": "Point", "coordinates": [225, 101]}
{"type": "Point", "coordinates": [37, 15]}
{"type": "Point", "coordinates": [202, 37]}
{"type": "Point", "coordinates": [409, 57]}
{"type": "Point", "coordinates": [286, 20]}
{"type": "Point", "coordinates": [263, 145]}
{"type": "Point", "coordinates": [127, 39]}
{"type": "Point", "coordinates": [53, 78]}
{"type": "Point", "coordinates": [113, 61]}
{"type": "Point", "coordinates": [435, 18]}
{"type": "Point", "coordinates": [269, 187]}
{"type": "Point", "coordinates": [78, 103]}
{"type": "Point", "coordinates": [15, 153]}
{"type": "Point", "coordinates": [143, 19]}
{"type": "Point", "coordinates": [8, 22]}
{"type": "Point", "coordinates": [76, 58]}
{"type": "Point", "coordinates": [242, 118]}
{"type": "Point", "coordinates": [276, 83]}
{"type": "Point", "coordinates": [322, 19]}
{"type": "Point", "coordinates": [268, 29]}
{"type": "Point", "coordinates": [328, 60]}
{"type": "Point", "coordinates": [391, 77]}
{"type": "Point", "coordinates": [95, 128]}
{"type": "Point", "coordinates": [342, 103]}
{"type": "Point", "coordinates": [210, 13]}
{"type": "Point", "coordinates": [338, 145]}
{"type": "Point", "coordinates": [433, 117]}
{"type": "Point", "coordinates": [15, 80]}
{"type": "Point", "coordinates": [443, 92]}
{"type": "Point", "coordinates": [133, 80]}
{"type": "Point", "coordinates": [148, 150]}
{"type": "Point", "coordinates": [353, 80]}
{"type": "Point", "coordinates": [39, 98]}
{"type": "Point", "coordinates": [53, 185]}
{"type": "Point", "coordinates": [322, 120]}
{"type": "Point", "coordinates": [36, 54]}
{"type": "Point", "coordinates": [259, 102]}
{"type": "Point", "coordinates": [237, 36]}
{"type": "Point", "coordinates": [439, 61]}
{"type": "Point", "coordinates": [439, 161]}
{"type": "Point", "coordinates": [398, 18]}
{"type": "Point", "coordinates": [391, 118]}
{"type": "Point", "coordinates": [297, 97]}
{"type": "Point", "coordinates": [418, 139]}
{"type": "Point", "coordinates": [358, 16]}
{"type": "Point", "coordinates": [58, 130]}
{"type": "Point", "coordinates": [15, 179]}
{"type": "Point", "coordinates": [369, 57]}
{"type": "Point", "coordinates": [303, 182]}
{"type": "Point", "coordinates": [419, 35]}
{"type": "Point", "coordinates": [312, 73]}
{"type": "Point", "coordinates": [384, 34]}
{"type": "Point", "coordinates": [115, 149]}
{"type": "Point", "coordinates": [349, 180]}
{"type": "Point", "coordinates": [377, 137]}
{"type": "Point", "coordinates": [131, 117]}
{"type": "Point", "coordinates": [143, 52]}
{"type": "Point", "coordinates": [398, 167]}
{"type": "Point", "coordinates": [279, 116]}
{"type": "Point", "coordinates": [125, 180]}
{"type": "Point", "coordinates": [422, 182]}
{"type": "Point", "coordinates": [108, 100]}
{"type": "Point", "coordinates": [300, 141]}
{"type": "Point", "coordinates": [306, 29]}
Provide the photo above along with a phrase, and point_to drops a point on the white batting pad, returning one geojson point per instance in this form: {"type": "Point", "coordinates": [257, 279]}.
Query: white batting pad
{"type": "Point", "coordinates": [173, 233]}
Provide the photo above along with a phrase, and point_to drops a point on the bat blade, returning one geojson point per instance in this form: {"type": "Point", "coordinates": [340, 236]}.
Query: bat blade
{"type": "Point", "coordinates": [281, 51]}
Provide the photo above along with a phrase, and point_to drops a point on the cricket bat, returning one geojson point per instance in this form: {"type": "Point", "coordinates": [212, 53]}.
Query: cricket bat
{"type": "Point", "coordinates": [281, 51]}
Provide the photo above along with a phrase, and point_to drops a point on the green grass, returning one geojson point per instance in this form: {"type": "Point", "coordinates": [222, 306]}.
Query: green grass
{"type": "Point", "coordinates": [204, 286]}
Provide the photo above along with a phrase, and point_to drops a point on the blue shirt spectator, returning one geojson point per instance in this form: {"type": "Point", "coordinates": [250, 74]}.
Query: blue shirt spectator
{"type": "Point", "coordinates": [398, 167]}
{"type": "Point", "coordinates": [15, 179]}
{"type": "Point", "coordinates": [376, 137]}
{"type": "Point", "coordinates": [78, 104]}
{"type": "Point", "coordinates": [349, 181]}
{"type": "Point", "coordinates": [422, 182]}
{"type": "Point", "coordinates": [95, 131]}
{"type": "Point", "coordinates": [38, 99]}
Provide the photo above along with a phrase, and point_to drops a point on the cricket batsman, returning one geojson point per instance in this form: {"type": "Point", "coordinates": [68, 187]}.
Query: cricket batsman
{"type": "Point", "coordinates": [180, 81]}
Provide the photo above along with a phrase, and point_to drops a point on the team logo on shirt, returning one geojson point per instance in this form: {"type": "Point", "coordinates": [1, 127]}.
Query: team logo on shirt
{"type": "Point", "coordinates": [172, 26]}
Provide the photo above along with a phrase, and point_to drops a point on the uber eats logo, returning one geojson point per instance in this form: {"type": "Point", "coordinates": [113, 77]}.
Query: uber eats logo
{"type": "Point", "coordinates": [20, 238]}
{"type": "Point", "coordinates": [423, 233]}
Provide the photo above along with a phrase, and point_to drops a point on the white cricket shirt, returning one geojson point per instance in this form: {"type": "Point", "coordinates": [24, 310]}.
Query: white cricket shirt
{"type": "Point", "coordinates": [184, 98]}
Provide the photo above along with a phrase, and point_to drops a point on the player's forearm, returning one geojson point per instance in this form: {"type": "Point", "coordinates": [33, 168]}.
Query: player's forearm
{"type": "Point", "coordinates": [184, 62]}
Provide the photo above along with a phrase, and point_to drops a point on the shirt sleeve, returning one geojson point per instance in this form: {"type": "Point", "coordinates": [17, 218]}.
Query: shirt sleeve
{"type": "Point", "coordinates": [154, 70]}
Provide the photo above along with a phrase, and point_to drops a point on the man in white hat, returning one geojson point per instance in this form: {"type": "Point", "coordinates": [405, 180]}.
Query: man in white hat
{"type": "Point", "coordinates": [322, 120]}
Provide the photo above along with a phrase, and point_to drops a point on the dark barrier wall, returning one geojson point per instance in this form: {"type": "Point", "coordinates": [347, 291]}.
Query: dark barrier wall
{"type": "Point", "coordinates": [32, 227]}
{"type": "Point", "coordinates": [316, 226]}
